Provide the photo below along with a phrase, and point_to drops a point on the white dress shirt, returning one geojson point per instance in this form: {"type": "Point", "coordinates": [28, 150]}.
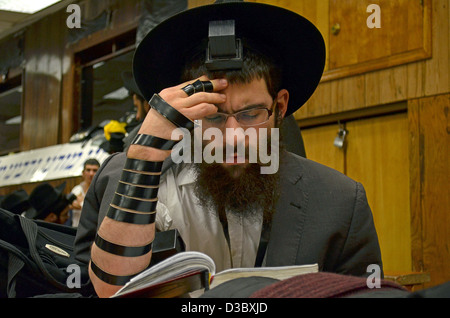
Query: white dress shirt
{"type": "Point", "coordinates": [200, 228]}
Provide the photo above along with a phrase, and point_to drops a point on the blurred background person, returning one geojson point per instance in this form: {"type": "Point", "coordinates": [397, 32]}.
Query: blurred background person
{"type": "Point", "coordinates": [49, 204]}
{"type": "Point", "coordinates": [90, 168]}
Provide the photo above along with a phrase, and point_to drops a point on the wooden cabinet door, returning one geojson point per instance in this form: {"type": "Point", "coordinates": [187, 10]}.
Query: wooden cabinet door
{"type": "Point", "coordinates": [354, 47]}
{"type": "Point", "coordinates": [377, 155]}
{"type": "Point", "coordinates": [319, 146]}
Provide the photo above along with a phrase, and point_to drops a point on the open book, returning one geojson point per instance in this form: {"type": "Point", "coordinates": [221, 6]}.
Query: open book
{"type": "Point", "coordinates": [188, 272]}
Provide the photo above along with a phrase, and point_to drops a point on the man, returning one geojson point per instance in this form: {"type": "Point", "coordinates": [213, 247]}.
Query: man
{"type": "Point", "coordinates": [49, 204]}
{"type": "Point", "coordinates": [299, 213]}
{"type": "Point", "coordinates": [139, 102]}
{"type": "Point", "coordinates": [90, 168]}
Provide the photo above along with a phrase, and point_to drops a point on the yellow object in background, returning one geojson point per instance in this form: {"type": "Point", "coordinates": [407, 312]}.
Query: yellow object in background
{"type": "Point", "coordinates": [114, 127]}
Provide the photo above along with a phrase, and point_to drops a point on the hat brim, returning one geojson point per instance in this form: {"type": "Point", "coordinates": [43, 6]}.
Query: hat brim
{"type": "Point", "coordinates": [161, 55]}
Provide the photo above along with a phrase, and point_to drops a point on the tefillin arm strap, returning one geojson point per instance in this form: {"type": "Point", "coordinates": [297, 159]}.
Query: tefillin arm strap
{"type": "Point", "coordinates": [134, 202]}
{"type": "Point", "coordinates": [136, 196]}
{"type": "Point", "coordinates": [170, 113]}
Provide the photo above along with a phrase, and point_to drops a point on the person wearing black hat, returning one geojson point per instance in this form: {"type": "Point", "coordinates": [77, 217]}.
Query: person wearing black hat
{"type": "Point", "coordinates": [49, 204]}
{"type": "Point", "coordinates": [139, 102]}
{"type": "Point", "coordinates": [16, 202]}
{"type": "Point", "coordinates": [228, 65]}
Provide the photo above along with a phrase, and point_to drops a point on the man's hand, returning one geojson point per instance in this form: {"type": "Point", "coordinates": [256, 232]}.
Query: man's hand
{"type": "Point", "coordinates": [193, 107]}
{"type": "Point", "coordinates": [78, 203]}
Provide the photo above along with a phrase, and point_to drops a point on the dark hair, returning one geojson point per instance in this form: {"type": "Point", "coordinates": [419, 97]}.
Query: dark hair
{"type": "Point", "coordinates": [256, 66]}
{"type": "Point", "coordinates": [93, 162]}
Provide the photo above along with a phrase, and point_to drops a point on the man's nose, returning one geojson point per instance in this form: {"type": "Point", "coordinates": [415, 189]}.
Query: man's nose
{"type": "Point", "coordinates": [232, 124]}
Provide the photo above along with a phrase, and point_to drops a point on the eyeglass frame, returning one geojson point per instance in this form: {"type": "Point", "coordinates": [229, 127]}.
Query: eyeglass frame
{"type": "Point", "coordinates": [269, 111]}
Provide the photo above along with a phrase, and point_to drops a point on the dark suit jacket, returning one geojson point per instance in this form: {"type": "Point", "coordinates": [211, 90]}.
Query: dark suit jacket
{"type": "Point", "coordinates": [322, 217]}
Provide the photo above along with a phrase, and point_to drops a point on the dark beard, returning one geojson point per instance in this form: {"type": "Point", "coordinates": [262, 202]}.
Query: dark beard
{"type": "Point", "coordinates": [217, 189]}
{"type": "Point", "coordinates": [242, 190]}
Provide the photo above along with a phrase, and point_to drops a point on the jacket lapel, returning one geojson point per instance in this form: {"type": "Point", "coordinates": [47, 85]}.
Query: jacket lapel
{"type": "Point", "coordinates": [289, 218]}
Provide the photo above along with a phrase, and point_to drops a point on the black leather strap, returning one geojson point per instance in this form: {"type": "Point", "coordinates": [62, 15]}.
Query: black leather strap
{"type": "Point", "coordinates": [137, 178]}
{"type": "Point", "coordinates": [198, 86]}
{"type": "Point", "coordinates": [109, 278]}
{"type": "Point", "coordinates": [134, 204]}
{"type": "Point", "coordinates": [127, 251]}
{"type": "Point", "coordinates": [203, 86]}
{"type": "Point", "coordinates": [142, 165]}
{"type": "Point", "coordinates": [154, 142]}
{"type": "Point", "coordinates": [136, 191]}
{"type": "Point", "coordinates": [129, 217]}
{"type": "Point", "coordinates": [173, 115]}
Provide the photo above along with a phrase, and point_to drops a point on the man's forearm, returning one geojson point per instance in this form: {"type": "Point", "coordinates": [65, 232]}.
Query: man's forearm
{"type": "Point", "coordinates": [122, 247]}
{"type": "Point", "coordinates": [108, 265]}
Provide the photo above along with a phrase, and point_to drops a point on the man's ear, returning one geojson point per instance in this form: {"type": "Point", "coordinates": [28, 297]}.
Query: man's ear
{"type": "Point", "coordinates": [282, 102]}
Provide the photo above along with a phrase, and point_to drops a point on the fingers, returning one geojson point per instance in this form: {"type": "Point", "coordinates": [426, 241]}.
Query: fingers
{"type": "Point", "coordinates": [197, 105]}
{"type": "Point", "coordinates": [202, 85]}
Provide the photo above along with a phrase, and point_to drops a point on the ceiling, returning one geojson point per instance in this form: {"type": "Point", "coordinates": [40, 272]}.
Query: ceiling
{"type": "Point", "coordinates": [8, 19]}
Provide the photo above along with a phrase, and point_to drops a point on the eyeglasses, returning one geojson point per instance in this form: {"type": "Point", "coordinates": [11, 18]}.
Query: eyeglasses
{"type": "Point", "coordinates": [249, 117]}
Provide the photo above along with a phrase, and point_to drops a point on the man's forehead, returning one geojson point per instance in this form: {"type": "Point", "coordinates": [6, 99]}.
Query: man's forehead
{"type": "Point", "coordinates": [91, 167]}
{"type": "Point", "coordinates": [246, 96]}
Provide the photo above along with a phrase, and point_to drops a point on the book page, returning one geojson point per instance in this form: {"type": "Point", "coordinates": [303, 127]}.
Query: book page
{"type": "Point", "coordinates": [169, 269]}
{"type": "Point", "coordinates": [281, 273]}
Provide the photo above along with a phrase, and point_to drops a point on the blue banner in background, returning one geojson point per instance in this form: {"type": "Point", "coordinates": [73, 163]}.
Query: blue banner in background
{"type": "Point", "coordinates": [50, 163]}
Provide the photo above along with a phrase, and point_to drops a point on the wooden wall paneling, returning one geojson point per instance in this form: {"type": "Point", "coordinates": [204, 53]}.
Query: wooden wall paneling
{"type": "Point", "coordinates": [386, 86]}
{"type": "Point", "coordinates": [402, 38]}
{"type": "Point", "coordinates": [318, 104]}
{"type": "Point", "coordinates": [429, 127]}
{"type": "Point", "coordinates": [42, 83]}
{"type": "Point", "coordinates": [377, 156]}
{"type": "Point", "coordinates": [437, 69]}
{"type": "Point", "coordinates": [316, 11]}
{"type": "Point", "coordinates": [70, 111]}
{"type": "Point", "coordinates": [124, 19]}
{"type": "Point", "coordinates": [347, 94]}
{"type": "Point", "coordinates": [415, 79]}
{"type": "Point", "coordinates": [415, 142]}
{"type": "Point", "coordinates": [319, 146]}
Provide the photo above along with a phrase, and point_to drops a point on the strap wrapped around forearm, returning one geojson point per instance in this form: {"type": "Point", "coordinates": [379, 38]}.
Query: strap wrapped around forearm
{"type": "Point", "coordinates": [154, 142]}
{"type": "Point", "coordinates": [143, 165]}
{"type": "Point", "coordinates": [131, 217]}
{"type": "Point", "coordinates": [173, 115]}
{"type": "Point", "coordinates": [137, 178]}
{"type": "Point", "coordinates": [136, 196]}
{"type": "Point", "coordinates": [134, 204]}
{"type": "Point", "coordinates": [126, 251]}
{"type": "Point", "coordinates": [110, 278]}
{"type": "Point", "coordinates": [137, 191]}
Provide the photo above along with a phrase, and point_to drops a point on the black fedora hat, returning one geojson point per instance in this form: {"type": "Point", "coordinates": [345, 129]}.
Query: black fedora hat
{"type": "Point", "coordinates": [44, 199]}
{"type": "Point", "coordinates": [16, 202]}
{"type": "Point", "coordinates": [294, 42]}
